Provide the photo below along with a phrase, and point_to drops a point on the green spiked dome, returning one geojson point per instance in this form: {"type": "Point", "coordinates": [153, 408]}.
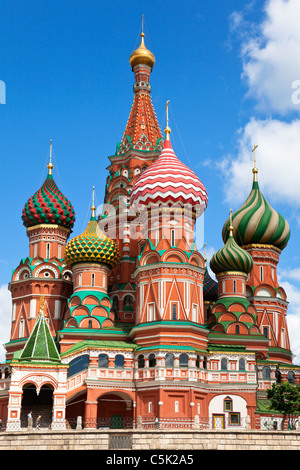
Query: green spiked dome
{"type": "Point", "coordinates": [256, 222]}
{"type": "Point", "coordinates": [48, 205]}
{"type": "Point", "coordinates": [231, 258]}
{"type": "Point", "coordinates": [92, 246]}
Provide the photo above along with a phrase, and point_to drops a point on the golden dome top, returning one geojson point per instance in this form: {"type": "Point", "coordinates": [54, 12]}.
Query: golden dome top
{"type": "Point", "coordinates": [142, 55]}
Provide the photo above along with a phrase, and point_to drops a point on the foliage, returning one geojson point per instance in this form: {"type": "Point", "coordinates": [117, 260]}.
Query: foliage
{"type": "Point", "coordinates": [285, 398]}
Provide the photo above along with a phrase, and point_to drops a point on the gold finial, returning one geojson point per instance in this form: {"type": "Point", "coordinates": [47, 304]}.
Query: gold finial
{"type": "Point", "coordinates": [230, 228]}
{"type": "Point", "coordinates": [93, 208]}
{"type": "Point", "coordinates": [167, 129]}
{"type": "Point", "coordinates": [255, 170]}
{"type": "Point", "coordinates": [50, 166]}
{"type": "Point", "coordinates": [42, 304]}
{"type": "Point", "coordinates": [142, 55]}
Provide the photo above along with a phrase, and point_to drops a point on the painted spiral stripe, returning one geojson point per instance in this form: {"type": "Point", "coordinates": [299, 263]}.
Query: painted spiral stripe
{"type": "Point", "coordinates": [231, 257]}
{"type": "Point", "coordinates": [257, 222]}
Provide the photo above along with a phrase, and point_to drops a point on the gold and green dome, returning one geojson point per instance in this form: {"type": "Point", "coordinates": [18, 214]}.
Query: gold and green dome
{"type": "Point", "coordinates": [92, 246]}
{"type": "Point", "coordinates": [231, 257]}
{"type": "Point", "coordinates": [256, 222]}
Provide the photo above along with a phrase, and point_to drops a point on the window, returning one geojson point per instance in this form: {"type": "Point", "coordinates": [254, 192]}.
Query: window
{"type": "Point", "coordinates": [47, 250]}
{"type": "Point", "coordinates": [152, 360]}
{"type": "Point", "coordinates": [119, 361]}
{"type": "Point", "coordinates": [90, 324]}
{"type": "Point", "coordinates": [227, 404]}
{"type": "Point", "coordinates": [103, 361]}
{"type": "Point", "coordinates": [79, 280]}
{"type": "Point", "coordinates": [59, 251]}
{"type": "Point", "coordinates": [141, 361]}
{"type": "Point", "coordinates": [93, 280]}
{"type": "Point", "coordinates": [234, 419]}
{"type": "Point", "coordinates": [242, 364]}
{"type": "Point", "coordinates": [172, 237]}
{"type": "Point", "coordinates": [266, 332]}
{"type": "Point", "coordinates": [205, 362]}
{"type": "Point", "coordinates": [183, 360]}
{"type": "Point", "coordinates": [169, 360]}
{"type": "Point", "coordinates": [157, 237]}
{"type": "Point", "coordinates": [224, 364]}
{"type": "Point", "coordinates": [150, 312]}
{"type": "Point", "coordinates": [176, 406]}
{"type": "Point", "coordinates": [21, 329]}
{"type": "Point", "coordinates": [149, 406]}
{"type": "Point", "coordinates": [291, 377]}
{"type": "Point", "coordinates": [174, 312]}
{"type": "Point", "coordinates": [78, 364]}
{"type": "Point", "coordinates": [266, 373]}
{"type": "Point", "coordinates": [234, 287]}
{"type": "Point", "coordinates": [198, 361]}
{"type": "Point", "coordinates": [237, 329]}
{"type": "Point", "coordinates": [261, 273]}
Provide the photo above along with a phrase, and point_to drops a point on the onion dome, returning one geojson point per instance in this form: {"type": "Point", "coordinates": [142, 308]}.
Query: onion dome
{"type": "Point", "coordinates": [142, 55]}
{"type": "Point", "coordinates": [231, 257]}
{"type": "Point", "coordinates": [256, 222]}
{"type": "Point", "coordinates": [169, 181]}
{"type": "Point", "coordinates": [48, 205]}
{"type": "Point", "coordinates": [92, 246]}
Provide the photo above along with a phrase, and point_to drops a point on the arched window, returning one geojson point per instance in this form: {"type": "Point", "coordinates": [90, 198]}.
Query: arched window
{"type": "Point", "coordinates": [237, 329]}
{"type": "Point", "coordinates": [90, 325]}
{"type": "Point", "coordinates": [103, 361]}
{"type": "Point", "coordinates": [266, 332]}
{"type": "Point", "coordinates": [224, 363]}
{"type": "Point", "coordinates": [141, 361]}
{"type": "Point", "coordinates": [169, 360]}
{"type": "Point", "coordinates": [78, 364]}
{"type": "Point", "coordinates": [291, 377]}
{"type": "Point", "coordinates": [198, 361]}
{"type": "Point", "coordinates": [47, 250]}
{"type": "Point", "coordinates": [234, 287]}
{"type": "Point", "coordinates": [93, 279]}
{"type": "Point", "coordinates": [172, 237]}
{"type": "Point", "coordinates": [183, 360]}
{"type": "Point", "coordinates": [174, 312]}
{"type": "Point", "coordinates": [266, 373]}
{"type": "Point", "coordinates": [119, 361]}
{"type": "Point", "coordinates": [205, 362]}
{"type": "Point", "coordinates": [242, 364]}
{"type": "Point", "coordinates": [152, 360]}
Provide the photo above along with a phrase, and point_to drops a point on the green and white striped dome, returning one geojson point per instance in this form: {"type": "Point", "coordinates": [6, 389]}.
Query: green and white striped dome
{"type": "Point", "coordinates": [231, 258]}
{"type": "Point", "coordinates": [256, 222]}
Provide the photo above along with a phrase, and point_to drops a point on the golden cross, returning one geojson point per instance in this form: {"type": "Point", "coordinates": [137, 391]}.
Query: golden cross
{"type": "Point", "coordinates": [230, 217]}
{"type": "Point", "coordinates": [167, 110]}
{"type": "Point", "coordinates": [253, 150]}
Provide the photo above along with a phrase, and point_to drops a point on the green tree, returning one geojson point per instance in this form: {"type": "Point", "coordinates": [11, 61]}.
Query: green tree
{"type": "Point", "coordinates": [285, 398]}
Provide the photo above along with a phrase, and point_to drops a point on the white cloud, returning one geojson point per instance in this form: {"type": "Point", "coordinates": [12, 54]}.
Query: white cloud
{"type": "Point", "coordinates": [293, 316]}
{"type": "Point", "coordinates": [5, 319]}
{"type": "Point", "coordinates": [278, 162]}
{"type": "Point", "coordinates": [270, 59]}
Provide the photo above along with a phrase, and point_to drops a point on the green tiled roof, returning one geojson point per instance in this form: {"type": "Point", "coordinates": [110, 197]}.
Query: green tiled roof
{"type": "Point", "coordinates": [40, 346]}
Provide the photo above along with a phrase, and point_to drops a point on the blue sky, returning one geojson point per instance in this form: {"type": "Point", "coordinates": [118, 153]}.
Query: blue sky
{"type": "Point", "coordinates": [227, 68]}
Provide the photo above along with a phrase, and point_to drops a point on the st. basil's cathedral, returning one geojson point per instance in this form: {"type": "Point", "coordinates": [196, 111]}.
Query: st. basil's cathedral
{"type": "Point", "coordinates": [123, 325]}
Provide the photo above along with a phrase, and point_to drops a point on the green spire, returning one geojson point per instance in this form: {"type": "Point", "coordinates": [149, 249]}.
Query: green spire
{"type": "Point", "coordinates": [40, 346]}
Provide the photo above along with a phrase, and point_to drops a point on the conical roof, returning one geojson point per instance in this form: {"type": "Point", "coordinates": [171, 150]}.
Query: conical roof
{"type": "Point", "coordinates": [40, 346]}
